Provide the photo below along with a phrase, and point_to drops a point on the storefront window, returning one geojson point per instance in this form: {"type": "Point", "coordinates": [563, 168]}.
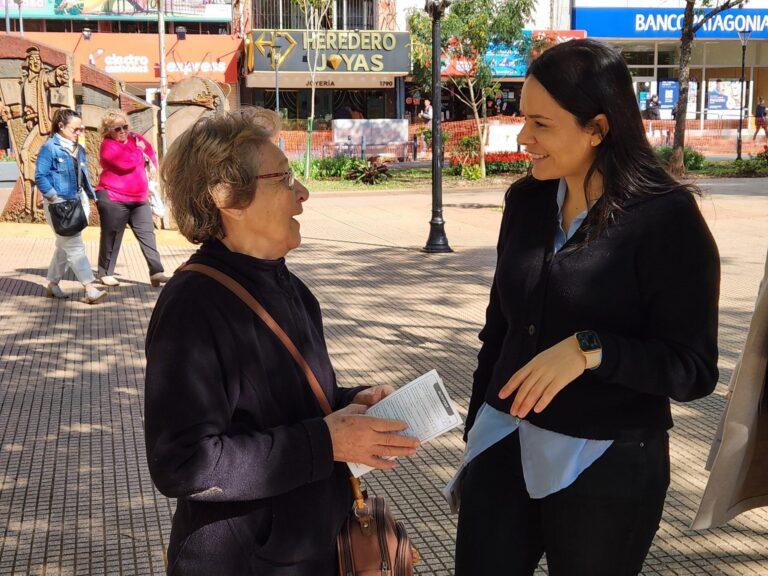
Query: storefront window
{"type": "Point", "coordinates": [285, 14]}
{"type": "Point", "coordinates": [667, 73]}
{"type": "Point", "coordinates": [637, 54]}
{"type": "Point", "coordinates": [724, 54]}
{"type": "Point", "coordinates": [669, 54]}
{"type": "Point", "coordinates": [355, 15]}
{"type": "Point", "coordinates": [641, 72]}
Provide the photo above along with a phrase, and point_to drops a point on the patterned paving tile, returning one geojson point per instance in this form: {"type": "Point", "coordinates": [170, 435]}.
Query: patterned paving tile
{"type": "Point", "coordinates": [75, 494]}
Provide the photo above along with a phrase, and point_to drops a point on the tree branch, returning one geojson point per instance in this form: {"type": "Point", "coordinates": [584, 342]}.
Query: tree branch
{"type": "Point", "coordinates": [715, 11]}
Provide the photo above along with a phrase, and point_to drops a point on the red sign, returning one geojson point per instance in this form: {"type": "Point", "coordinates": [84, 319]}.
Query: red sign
{"type": "Point", "coordinates": [135, 57]}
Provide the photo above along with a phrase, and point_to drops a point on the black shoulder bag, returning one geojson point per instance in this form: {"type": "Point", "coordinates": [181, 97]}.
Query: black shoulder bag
{"type": "Point", "coordinates": [68, 217]}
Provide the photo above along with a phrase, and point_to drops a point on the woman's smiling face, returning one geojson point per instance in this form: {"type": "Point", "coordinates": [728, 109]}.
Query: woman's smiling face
{"type": "Point", "coordinates": [559, 146]}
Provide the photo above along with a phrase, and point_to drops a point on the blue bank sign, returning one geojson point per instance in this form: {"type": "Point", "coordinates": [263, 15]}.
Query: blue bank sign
{"type": "Point", "coordinates": [666, 23]}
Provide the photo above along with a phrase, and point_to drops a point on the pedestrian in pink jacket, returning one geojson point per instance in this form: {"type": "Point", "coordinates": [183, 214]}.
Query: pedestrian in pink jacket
{"type": "Point", "coordinates": [123, 193]}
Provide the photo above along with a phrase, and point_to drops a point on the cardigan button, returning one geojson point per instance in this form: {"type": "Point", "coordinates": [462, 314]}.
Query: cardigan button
{"type": "Point", "coordinates": [531, 329]}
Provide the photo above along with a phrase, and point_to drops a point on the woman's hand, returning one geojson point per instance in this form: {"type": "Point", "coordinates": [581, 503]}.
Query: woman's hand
{"type": "Point", "coordinates": [539, 381]}
{"type": "Point", "coordinates": [367, 440]}
{"type": "Point", "coordinates": [373, 395]}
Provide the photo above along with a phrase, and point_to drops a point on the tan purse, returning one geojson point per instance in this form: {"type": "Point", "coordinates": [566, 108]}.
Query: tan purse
{"type": "Point", "coordinates": [371, 542]}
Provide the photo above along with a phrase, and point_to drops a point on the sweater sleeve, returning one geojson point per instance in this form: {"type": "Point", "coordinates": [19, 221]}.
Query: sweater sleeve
{"type": "Point", "coordinates": [150, 152]}
{"type": "Point", "coordinates": [678, 267]}
{"type": "Point", "coordinates": [43, 168]}
{"type": "Point", "coordinates": [192, 388]}
{"type": "Point", "coordinates": [119, 158]}
{"type": "Point", "coordinates": [492, 335]}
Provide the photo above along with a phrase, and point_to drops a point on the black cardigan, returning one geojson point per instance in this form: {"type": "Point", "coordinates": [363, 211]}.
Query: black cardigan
{"type": "Point", "coordinates": [649, 287]}
{"type": "Point", "coordinates": [232, 428]}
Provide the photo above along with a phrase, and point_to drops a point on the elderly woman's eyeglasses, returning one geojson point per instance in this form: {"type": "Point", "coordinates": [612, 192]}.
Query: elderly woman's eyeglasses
{"type": "Point", "coordinates": [287, 177]}
{"type": "Point", "coordinates": [118, 129]}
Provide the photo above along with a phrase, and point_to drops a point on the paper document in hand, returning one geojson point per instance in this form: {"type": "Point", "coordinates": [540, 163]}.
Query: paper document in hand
{"type": "Point", "coordinates": [423, 404]}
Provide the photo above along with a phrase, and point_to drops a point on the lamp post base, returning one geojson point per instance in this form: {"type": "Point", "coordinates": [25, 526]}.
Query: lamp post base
{"type": "Point", "coordinates": [437, 243]}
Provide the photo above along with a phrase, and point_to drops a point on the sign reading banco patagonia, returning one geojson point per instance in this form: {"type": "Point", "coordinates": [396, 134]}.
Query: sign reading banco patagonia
{"type": "Point", "coordinates": [329, 51]}
{"type": "Point", "coordinates": [666, 23]}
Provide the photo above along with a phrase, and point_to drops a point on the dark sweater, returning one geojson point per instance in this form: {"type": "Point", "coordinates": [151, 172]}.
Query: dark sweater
{"type": "Point", "coordinates": [232, 428]}
{"type": "Point", "coordinates": [649, 287]}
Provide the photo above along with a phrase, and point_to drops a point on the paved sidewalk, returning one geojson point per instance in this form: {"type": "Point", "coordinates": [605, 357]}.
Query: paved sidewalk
{"type": "Point", "coordinates": [75, 495]}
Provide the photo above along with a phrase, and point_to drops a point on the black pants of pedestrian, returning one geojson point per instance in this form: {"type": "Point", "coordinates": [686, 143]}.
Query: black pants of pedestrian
{"type": "Point", "coordinates": [114, 216]}
{"type": "Point", "coordinates": [601, 525]}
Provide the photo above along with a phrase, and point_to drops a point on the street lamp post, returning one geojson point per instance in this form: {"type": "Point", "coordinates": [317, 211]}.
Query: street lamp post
{"type": "Point", "coordinates": [21, 17]}
{"type": "Point", "coordinates": [437, 241]}
{"type": "Point", "coordinates": [275, 52]}
{"type": "Point", "coordinates": [163, 74]}
{"type": "Point", "coordinates": [744, 38]}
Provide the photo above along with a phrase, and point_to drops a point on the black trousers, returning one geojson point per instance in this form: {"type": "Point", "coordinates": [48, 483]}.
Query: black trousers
{"type": "Point", "coordinates": [601, 525]}
{"type": "Point", "coordinates": [114, 216]}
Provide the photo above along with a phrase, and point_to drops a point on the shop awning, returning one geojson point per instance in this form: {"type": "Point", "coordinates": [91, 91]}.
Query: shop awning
{"type": "Point", "coordinates": [295, 80]}
{"type": "Point", "coordinates": [134, 57]}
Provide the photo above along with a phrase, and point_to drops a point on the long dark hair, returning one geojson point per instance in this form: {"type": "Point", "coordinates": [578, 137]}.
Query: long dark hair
{"type": "Point", "coordinates": [61, 118]}
{"type": "Point", "coordinates": [588, 78]}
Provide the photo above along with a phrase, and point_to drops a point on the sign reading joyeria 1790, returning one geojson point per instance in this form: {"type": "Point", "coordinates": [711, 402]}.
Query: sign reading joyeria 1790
{"type": "Point", "coordinates": [329, 51]}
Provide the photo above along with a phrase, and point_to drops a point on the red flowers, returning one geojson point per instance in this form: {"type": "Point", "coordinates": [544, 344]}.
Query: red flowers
{"type": "Point", "coordinates": [507, 157]}
{"type": "Point", "coordinates": [494, 157]}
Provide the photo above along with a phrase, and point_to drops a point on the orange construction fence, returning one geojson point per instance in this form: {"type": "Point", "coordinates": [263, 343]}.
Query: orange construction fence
{"type": "Point", "coordinates": [714, 137]}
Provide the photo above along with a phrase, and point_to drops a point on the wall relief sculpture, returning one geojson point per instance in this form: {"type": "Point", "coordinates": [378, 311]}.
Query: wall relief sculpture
{"type": "Point", "coordinates": [35, 80]}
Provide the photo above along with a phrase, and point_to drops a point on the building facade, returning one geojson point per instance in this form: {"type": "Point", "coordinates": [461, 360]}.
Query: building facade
{"type": "Point", "coordinates": [121, 38]}
{"type": "Point", "coordinates": [649, 39]}
{"type": "Point", "coordinates": [356, 61]}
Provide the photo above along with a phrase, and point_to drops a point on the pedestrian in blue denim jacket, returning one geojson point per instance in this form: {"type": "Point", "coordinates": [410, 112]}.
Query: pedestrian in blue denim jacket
{"type": "Point", "coordinates": [61, 173]}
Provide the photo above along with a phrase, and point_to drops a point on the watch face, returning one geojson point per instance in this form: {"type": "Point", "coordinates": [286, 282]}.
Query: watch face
{"type": "Point", "coordinates": [588, 341]}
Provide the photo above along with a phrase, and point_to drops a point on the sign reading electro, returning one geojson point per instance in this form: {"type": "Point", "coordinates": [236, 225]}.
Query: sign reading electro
{"type": "Point", "coordinates": [666, 22]}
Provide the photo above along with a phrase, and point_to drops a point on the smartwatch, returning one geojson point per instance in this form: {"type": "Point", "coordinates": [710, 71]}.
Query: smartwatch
{"type": "Point", "coordinates": [591, 347]}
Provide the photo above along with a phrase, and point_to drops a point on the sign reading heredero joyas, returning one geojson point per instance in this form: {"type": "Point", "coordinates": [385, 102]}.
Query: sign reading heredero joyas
{"type": "Point", "coordinates": [329, 51]}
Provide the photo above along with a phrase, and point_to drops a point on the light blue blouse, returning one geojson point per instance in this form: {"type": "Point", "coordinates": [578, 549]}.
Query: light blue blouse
{"type": "Point", "coordinates": [551, 461]}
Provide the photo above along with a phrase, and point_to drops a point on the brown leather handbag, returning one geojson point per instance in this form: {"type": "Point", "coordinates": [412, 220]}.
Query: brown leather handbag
{"type": "Point", "coordinates": [372, 542]}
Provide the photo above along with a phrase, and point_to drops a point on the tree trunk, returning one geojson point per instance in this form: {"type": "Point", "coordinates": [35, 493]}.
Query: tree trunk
{"type": "Point", "coordinates": [478, 124]}
{"type": "Point", "coordinates": [676, 164]}
{"type": "Point", "coordinates": [314, 26]}
{"type": "Point", "coordinates": [310, 122]}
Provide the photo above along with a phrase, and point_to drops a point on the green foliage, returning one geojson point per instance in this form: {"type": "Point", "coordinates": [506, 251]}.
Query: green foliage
{"type": "Point", "coordinates": [333, 167]}
{"type": "Point", "coordinates": [466, 31]}
{"type": "Point", "coordinates": [297, 167]}
{"type": "Point", "coordinates": [469, 145]}
{"type": "Point", "coordinates": [518, 167]}
{"type": "Point", "coordinates": [739, 168]}
{"type": "Point", "coordinates": [368, 172]}
{"type": "Point", "coordinates": [692, 159]}
{"type": "Point", "coordinates": [427, 134]}
{"type": "Point", "coordinates": [471, 172]}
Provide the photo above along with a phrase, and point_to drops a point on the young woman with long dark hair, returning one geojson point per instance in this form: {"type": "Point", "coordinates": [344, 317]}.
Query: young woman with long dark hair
{"type": "Point", "coordinates": [604, 306]}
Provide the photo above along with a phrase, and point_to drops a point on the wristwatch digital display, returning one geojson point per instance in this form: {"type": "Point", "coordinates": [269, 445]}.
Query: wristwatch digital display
{"type": "Point", "coordinates": [591, 347]}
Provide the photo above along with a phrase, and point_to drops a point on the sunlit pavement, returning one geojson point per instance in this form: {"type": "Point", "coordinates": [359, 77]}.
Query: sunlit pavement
{"type": "Point", "coordinates": [75, 495]}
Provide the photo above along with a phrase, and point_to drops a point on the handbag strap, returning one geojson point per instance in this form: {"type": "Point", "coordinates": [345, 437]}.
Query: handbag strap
{"type": "Point", "coordinates": [238, 290]}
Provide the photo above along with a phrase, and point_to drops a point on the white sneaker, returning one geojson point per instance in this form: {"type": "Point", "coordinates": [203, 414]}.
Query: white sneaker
{"type": "Point", "coordinates": [94, 295]}
{"type": "Point", "coordinates": [158, 279]}
{"type": "Point", "coordinates": [54, 291]}
{"type": "Point", "coordinates": [109, 281]}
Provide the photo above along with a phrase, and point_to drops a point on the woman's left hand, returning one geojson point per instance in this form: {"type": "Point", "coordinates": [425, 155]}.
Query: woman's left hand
{"type": "Point", "coordinates": [539, 381]}
{"type": "Point", "coordinates": [373, 395]}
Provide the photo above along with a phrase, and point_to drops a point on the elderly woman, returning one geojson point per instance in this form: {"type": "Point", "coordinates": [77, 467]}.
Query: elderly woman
{"type": "Point", "coordinates": [233, 430]}
{"type": "Point", "coordinates": [123, 192]}
{"type": "Point", "coordinates": [61, 173]}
